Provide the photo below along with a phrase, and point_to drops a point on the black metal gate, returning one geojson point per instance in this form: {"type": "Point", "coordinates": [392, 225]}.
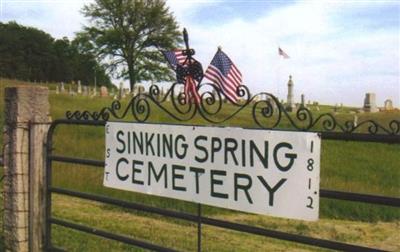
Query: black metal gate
{"type": "Point", "coordinates": [266, 113]}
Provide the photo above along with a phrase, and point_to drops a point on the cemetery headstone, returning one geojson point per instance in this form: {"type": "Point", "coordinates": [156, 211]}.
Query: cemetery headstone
{"type": "Point", "coordinates": [370, 103]}
{"type": "Point", "coordinates": [168, 98]}
{"type": "Point", "coordinates": [126, 92]}
{"type": "Point", "coordinates": [290, 106]}
{"type": "Point", "coordinates": [135, 90]}
{"type": "Point", "coordinates": [388, 105]}
{"type": "Point", "coordinates": [355, 120]}
{"type": "Point", "coordinates": [62, 87]}
{"type": "Point", "coordinates": [103, 91]}
{"type": "Point", "coordinates": [57, 90]}
{"type": "Point", "coordinates": [303, 103]}
{"type": "Point", "coordinates": [85, 91]}
{"type": "Point", "coordinates": [79, 87]}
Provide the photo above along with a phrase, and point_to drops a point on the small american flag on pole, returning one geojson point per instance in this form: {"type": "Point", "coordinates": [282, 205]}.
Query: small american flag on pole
{"type": "Point", "coordinates": [188, 71]}
{"type": "Point", "coordinates": [174, 57]}
{"type": "Point", "coordinates": [282, 53]}
{"type": "Point", "coordinates": [225, 74]}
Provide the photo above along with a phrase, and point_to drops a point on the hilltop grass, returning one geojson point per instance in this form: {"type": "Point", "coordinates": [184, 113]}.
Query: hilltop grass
{"type": "Point", "coordinates": [346, 166]}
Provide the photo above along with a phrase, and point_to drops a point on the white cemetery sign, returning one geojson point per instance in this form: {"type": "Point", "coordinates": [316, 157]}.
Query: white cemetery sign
{"type": "Point", "coordinates": [257, 171]}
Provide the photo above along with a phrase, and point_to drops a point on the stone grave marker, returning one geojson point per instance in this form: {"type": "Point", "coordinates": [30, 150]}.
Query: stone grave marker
{"type": "Point", "coordinates": [79, 87]}
{"type": "Point", "coordinates": [103, 91]}
{"type": "Point", "coordinates": [85, 91]}
{"type": "Point", "coordinates": [62, 87]}
{"type": "Point", "coordinates": [355, 120]}
{"type": "Point", "coordinates": [303, 103]}
{"type": "Point", "coordinates": [388, 105]}
{"type": "Point", "coordinates": [370, 103]}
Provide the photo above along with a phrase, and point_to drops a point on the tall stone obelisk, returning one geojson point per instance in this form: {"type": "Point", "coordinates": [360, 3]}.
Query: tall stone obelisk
{"type": "Point", "coordinates": [290, 106]}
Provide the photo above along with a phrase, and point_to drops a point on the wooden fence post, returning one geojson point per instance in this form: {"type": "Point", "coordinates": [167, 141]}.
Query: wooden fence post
{"type": "Point", "coordinates": [26, 124]}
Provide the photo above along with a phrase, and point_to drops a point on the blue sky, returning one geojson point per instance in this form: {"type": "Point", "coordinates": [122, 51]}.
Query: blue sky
{"type": "Point", "coordinates": [339, 50]}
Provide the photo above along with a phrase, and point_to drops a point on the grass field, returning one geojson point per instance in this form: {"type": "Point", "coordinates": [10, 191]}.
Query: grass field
{"type": "Point", "coordinates": [347, 166]}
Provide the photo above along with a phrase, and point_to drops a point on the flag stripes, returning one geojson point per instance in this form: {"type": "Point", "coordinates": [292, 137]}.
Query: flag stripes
{"type": "Point", "coordinates": [225, 74]}
{"type": "Point", "coordinates": [190, 90]}
{"type": "Point", "coordinates": [174, 57]}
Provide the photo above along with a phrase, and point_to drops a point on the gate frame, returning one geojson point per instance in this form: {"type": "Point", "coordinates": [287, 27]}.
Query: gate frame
{"type": "Point", "coordinates": [140, 110]}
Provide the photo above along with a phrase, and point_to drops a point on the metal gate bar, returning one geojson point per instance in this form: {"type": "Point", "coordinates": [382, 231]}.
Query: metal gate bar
{"type": "Point", "coordinates": [108, 235]}
{"type": "Point", "coordinates": [214, 222]}
{"type": "Point", "coordinates": [324, 193]}
{"type": "Point", "coordinates": [360, 137]}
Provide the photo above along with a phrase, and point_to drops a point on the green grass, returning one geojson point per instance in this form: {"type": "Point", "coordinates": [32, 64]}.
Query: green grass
{"type": "Point", "coordinates": [182, 235]}
{"type": "Point", "coordinates": [347, 166]}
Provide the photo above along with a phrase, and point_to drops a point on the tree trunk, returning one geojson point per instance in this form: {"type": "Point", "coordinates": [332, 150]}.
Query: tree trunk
{"type": "Point", "coordinates": [132, 75]}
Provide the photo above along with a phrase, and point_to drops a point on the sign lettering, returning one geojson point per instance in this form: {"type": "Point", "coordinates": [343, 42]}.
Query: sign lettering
{"type": "Point", "coordinates": [258, 171]}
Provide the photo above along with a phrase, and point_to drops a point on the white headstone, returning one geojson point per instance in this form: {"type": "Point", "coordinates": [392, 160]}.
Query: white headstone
{"type": "Point", "coordinates": [85, 91]}
{"type": "Point", "coordinates": [355, 120]}
{"type": "Point", "coordinates": [290, 105]}
{"type": "Point", "coordinates": [103, 91]}
{"type": "Point", "coordinates": [388, 105]}
{"type": "Point", "coordinates": [79, 87]}
{"type": "Point", "coordinates": [62, 87]}
{"type": "Point", "coordinates": [135, 90]}
{"type": "Point", "coordinates": [141, 89]}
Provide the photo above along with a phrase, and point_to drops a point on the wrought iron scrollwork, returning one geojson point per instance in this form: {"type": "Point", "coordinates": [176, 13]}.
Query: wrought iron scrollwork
{"type": "Point", "coordinates": [266, 111]}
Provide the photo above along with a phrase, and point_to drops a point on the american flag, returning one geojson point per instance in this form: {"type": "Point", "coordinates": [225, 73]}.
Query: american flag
{"type": "Point", "coordinates": [186, 73]}
{"type": "Point", "coordinates": [174, 57]}
{"type": "Point", "coordinates": [191, 91]}
{"type": "Point", "coordinates": [225, 74]}
{"type": "Point", "coordinates": [282, 53]}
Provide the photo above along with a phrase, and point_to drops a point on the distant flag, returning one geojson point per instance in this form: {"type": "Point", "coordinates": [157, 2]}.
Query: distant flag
{"type": "Point", "coordinates": [224, 73]}
{"type": "Point", "coordinates": [174, 57]}
{"type": "Point", "coordinates": [282, 53]}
